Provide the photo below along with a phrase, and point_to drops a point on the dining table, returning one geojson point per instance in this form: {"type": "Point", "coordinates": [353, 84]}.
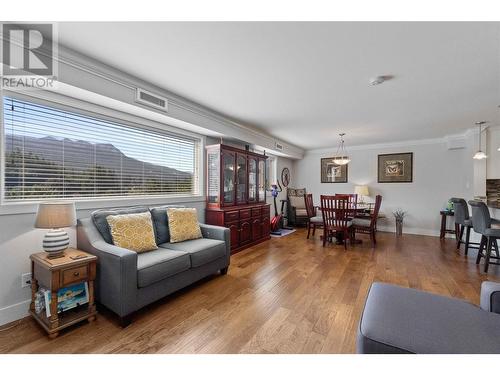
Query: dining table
{"type": "Point", "coordinates": [363, 211]}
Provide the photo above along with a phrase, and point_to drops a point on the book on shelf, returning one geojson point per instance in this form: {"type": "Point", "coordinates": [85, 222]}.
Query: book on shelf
{"type": "Point", "coordinates": [68, 297]}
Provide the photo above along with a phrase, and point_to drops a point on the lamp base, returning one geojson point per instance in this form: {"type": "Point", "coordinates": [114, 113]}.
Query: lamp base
{"type": "Point", "coordinates": [55, 242]}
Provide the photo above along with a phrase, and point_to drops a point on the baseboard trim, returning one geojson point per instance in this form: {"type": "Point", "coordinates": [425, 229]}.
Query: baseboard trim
{"type": "Point", "coordinates": [14, 312]}
{"type": "Point", "coordinates": [409, 230]}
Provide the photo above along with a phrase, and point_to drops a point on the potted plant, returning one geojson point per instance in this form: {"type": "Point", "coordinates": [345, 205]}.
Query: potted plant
{"type": "Point", "coordinates": [449, 206]}
{"type": "Point", "coordinates": [399, 215]}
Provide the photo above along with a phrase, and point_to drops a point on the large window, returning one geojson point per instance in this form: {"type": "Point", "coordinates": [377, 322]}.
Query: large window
{"type": "Point", "coordinates": [53, 153]}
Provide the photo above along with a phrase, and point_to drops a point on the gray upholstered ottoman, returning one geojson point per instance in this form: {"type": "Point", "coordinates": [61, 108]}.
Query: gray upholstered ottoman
{"type": "Point", "coordinates": [403, 320]}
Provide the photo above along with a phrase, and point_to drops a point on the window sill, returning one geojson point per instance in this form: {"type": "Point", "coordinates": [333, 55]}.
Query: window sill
{"type": "Point", "coordinates": [18, 208]}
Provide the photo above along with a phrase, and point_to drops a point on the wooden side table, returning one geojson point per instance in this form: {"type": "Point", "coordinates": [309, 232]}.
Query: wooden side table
{"type": "Point", "coordinates": [443, 231]}
{"type": "Point", "coordinates": [74, 267]}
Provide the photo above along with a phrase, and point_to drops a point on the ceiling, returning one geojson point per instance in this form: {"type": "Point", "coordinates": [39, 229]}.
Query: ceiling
{"type": "Point", "coordinates": [305, 82]}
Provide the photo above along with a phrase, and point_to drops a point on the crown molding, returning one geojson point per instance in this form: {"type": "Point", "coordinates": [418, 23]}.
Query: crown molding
{"type": "Point", "coordinates": [470, 132]}
{"type": "Point", "coordinates": [376, 146]}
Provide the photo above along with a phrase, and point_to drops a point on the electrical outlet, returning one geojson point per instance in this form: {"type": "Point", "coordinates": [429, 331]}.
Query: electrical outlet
{"type": "Point", "coordinates": [25, 280]}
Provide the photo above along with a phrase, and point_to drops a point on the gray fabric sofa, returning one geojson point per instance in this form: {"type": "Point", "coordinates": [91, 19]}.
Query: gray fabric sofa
{"type": "Point", "coordinates": [400, 320]}
{"type": "Point", "coordinates": [127, 281]}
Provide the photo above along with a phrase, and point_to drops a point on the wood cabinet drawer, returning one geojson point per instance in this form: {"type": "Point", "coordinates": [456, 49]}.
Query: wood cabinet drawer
{"type": "Point", "coordinates": [245, 214]}
{"type": "Point", "coordinates": [256, 212]}
{"type": "Point", "coordinates": [266, 210]}
{"type": "Point", "coordinates": [74, 274]}
{"type": "Point", "coordinates": [232, 216]}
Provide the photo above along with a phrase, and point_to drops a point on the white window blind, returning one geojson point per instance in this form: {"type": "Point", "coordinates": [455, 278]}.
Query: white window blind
{"type": "Point", "coordinates": [54, 153]}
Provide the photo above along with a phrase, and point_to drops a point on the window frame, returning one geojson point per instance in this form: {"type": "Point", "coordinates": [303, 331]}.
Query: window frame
{"type": "Point", "coordinates": [107, 114]}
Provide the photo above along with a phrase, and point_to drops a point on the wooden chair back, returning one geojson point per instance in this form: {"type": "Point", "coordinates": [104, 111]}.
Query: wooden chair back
{"type": "Point", "coordinates": [352, 200]}
{"type": "Point", "coordinates": [376, 210]}
{"type": "Point", "coordinates": [311, 210]}
{"type": "Point", "coordinates": [335, 211]}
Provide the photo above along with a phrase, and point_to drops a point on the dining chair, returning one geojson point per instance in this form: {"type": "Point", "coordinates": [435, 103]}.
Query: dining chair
{"type": "Point", "coordinates": [463, 222]}
{"type": "Point", "coordinates": [368, 225]}
{"type": "Point", "coordinates": [352, 205]}
{"type": "Point", "coordinates": [314, 220]}
{"type": "Point", "coordinates": [335, 210]}
{"type": "Point", "coordinates": [481, 222]}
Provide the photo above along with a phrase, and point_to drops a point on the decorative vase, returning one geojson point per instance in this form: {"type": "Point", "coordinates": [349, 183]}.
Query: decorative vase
{"type": "Point", "coordinates": [399, 227]}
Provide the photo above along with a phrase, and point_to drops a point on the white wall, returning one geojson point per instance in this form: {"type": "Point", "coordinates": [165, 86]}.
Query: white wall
{"type": "Point", "coordinates": [438, 174]}
{"type": "Point", "coordinates": [493, 161]}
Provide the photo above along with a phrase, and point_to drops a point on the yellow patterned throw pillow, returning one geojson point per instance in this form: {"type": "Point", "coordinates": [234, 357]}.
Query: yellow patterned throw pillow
{"type": "Point", "coordinates": [133, 231]}
{"type": "Point", "coordinates": [183, 224]}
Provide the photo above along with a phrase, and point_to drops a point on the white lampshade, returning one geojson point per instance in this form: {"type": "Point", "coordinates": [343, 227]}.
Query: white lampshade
{"type": "Point", "coordinates": [361, 190]}
{"type": "Point", "coordinates": [52, 215]}
{"type": "Point", "coordinates": [341, 157]}
{"type": "Point", "coordinates": [480, 155]}
{"type": "Point", "coordinates": [341, 160]}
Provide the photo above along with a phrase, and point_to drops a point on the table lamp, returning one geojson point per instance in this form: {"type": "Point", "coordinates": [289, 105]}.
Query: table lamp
{"type": "Point", "coordinates": [362, 191]}
{"type": "Point", "coordinates": [54, 216]}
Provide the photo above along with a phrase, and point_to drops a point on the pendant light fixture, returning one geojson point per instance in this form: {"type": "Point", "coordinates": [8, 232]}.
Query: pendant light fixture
{"type": "Point", "coordinates": [341, 157]}
{"type": "Point", "coordinates": [480, 155]}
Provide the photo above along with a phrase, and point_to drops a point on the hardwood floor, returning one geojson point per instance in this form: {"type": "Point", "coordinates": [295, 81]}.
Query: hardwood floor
{"type": "Point", "coordinates": [287, 295]}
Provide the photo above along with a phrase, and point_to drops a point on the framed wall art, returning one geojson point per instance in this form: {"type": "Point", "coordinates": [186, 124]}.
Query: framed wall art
{"type": "Point", "coordinates": [395, 167]}
{"type": "Point", "coordinates": [331, 172]}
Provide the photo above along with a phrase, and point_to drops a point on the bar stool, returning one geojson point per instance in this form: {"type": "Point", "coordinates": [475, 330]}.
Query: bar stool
{"type": "Point", "coordinates": [463, 222]}
{"type": "Point", "coordinates": [481, 222]}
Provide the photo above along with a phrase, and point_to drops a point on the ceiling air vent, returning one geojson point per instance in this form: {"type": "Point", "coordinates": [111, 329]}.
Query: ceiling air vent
{"type": "Point", "coordinates": [279, 146]}
{"type": "Point", "coordinates": [150, 99]}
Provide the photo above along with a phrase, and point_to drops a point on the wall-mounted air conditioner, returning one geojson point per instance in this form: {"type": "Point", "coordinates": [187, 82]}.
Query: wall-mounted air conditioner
{"type": "Point", "coordinates": [456, 142]}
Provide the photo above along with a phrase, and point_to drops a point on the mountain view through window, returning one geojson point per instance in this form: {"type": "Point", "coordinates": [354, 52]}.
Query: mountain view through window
{"type": "Point", "coordinates": [53, 153]}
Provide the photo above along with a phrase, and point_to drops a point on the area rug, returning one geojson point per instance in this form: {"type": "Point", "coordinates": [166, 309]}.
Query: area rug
{"type": "Point", "coordinates": [284, 232]}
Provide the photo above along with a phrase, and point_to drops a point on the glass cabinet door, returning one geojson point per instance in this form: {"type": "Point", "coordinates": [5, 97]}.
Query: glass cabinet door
{"type": "Point", "coordinates": [228, 175]}
{"type": "Point", "coordinates": [213, 178]}
{"type": "Point", "coordinates": [241, 182]}
{"type": "Point", "coordinates": [262, 180]}
{"type": "Point", "coordinates": [252, 179]}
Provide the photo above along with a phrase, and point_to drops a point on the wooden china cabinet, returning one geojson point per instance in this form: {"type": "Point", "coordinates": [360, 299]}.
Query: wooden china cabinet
{"type": "Point", "coordinates": [236, 194]}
